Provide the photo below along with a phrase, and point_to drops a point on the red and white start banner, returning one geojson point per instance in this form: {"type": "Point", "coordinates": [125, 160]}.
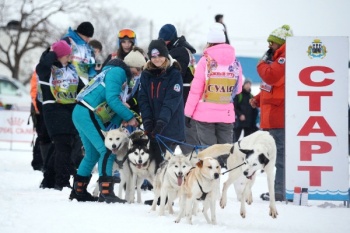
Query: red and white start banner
{"type": "Point", "coordinates": [317, 117]}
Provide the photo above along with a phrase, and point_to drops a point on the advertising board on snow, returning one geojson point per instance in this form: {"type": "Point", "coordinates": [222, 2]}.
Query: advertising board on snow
{"type": "Point", "coordinates": [317, 117]}
{"type": "Point", "coordinates": [14, 126]}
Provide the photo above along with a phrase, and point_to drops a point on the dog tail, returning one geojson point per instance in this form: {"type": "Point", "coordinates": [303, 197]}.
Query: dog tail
{"type": "Point", "coordinates": [216, 150]}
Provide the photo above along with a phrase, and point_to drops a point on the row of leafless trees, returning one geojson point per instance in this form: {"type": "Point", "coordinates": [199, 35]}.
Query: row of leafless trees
{"type": "Point", "coordinates": [29, 25]}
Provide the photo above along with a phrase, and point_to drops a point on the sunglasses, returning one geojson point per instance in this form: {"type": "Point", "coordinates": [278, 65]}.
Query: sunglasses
{"type": "Point", "coordinates": [126, 33]}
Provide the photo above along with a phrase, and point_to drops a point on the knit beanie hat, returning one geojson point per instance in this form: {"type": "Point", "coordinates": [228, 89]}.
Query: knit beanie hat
{"type": "Point", "coordinates": [61, 48]}
{"type": "Point", "coordinates": [167, 32]}
{"type": "Point", "coordinates": [135, 59]}
{"type": "Point", "coordinates": [279, 35]}
{"type": "Point", "coordinates": [158, 48]}
{"type": "Point", "coordinates": [86, 29]}
{"type": "Point", "coordinates": [247, 80]}
{"type": "Point", "coordinates": [216, 34]}
{"type": "Point", "coordinates": [218, 17]}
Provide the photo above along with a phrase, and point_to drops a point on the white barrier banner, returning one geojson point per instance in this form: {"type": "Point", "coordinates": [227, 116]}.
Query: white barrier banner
{"type": "Point", "coordinates": [14, 126]}
{"type": "Point", "coordinates": [317, 117]}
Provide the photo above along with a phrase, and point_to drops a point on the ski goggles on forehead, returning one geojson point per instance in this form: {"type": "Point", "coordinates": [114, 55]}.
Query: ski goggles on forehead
{"type": "Point", "coordinates": [126, 33]}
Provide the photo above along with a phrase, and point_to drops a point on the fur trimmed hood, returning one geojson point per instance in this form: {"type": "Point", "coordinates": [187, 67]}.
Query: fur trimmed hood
{"type": "Point", "coordinates": [167, 64]}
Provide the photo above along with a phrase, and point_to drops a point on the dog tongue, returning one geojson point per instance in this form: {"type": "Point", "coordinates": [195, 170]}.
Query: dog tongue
{"type": "Point", "coordinates": [179, 180]}
{"type": "Point", "coordinates": [139, 165]}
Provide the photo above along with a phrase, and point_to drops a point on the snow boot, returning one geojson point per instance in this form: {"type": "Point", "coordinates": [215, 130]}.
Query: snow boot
{"type": "Point", "coordinates": [79, 191]}
{"type": "Point", "coordinates": [37, 162]}
{"type": "Point", "coordinates": [265, 196]}
{"type": "Point", "coordinates": [150, 202]}
{"type": "Point", "coordinates": [48, 181]}
{"type": "Point", "coordinates": [106, 190]}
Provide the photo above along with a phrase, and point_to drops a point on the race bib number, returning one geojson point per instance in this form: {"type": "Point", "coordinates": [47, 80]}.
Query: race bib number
{"type": "Point", "coordinates": [265, 87]}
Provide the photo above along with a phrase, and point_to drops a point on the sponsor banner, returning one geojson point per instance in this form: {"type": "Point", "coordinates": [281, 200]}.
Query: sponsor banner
{"type": "Point", "coordinates": [14, 126]}
{"type": "Point", "coordinates": [317, 117]}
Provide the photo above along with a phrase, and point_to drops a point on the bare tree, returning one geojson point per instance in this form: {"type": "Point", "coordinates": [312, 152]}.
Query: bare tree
{"type": "Point", "coordinates": [29, 27]}
{"type": "Point", "coordinates": [110, 19]}
{"type": "Point", "coordinates": [190, 29]}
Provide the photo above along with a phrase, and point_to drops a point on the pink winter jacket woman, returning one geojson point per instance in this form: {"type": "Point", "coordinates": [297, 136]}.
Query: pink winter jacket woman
{"type": "Point", "coordinates": [217, 79]}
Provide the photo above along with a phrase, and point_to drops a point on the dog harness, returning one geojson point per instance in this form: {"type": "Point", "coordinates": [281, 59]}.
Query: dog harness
{"type": "Point", "coordinates": [204, 195]}
{"type": "Point", "coordinates": [239, 145]}
{"type": "Point", "coordinates": [120, 162]}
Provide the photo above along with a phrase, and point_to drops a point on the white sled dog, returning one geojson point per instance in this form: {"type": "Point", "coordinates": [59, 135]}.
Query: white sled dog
{"type": "Point", "coordinates": [254, 152]}
{"type": "Point", "coordinates": [168, 180]}
{"type": "Point", "coordinates": [141, 166]}
{"type": "Point", "coordinates": [202, 183]}
{"type": "Point", "coordinates": [117, 141]}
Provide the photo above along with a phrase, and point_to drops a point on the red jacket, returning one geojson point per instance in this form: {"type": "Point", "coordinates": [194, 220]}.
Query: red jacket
{"type": "Point", "coordinates": [272, 103]}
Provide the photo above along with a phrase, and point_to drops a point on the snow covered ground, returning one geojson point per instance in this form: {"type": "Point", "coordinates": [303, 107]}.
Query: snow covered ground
{"type": "Point", "coordinates": [26, 208]}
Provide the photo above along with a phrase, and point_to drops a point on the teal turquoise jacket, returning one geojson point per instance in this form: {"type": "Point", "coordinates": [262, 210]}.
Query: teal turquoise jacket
{"type": "Point", "coordinates": [114, 80]}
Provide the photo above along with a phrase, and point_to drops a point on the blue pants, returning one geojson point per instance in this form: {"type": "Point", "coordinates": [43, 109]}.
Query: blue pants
{"type": "Point", "coordinates": [89, 127]}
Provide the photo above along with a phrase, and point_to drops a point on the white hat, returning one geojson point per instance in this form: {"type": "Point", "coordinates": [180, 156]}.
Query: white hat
{"type": "Point", "coordinates": [216, 34]}
{"type": "Point", "coordinates": [135, 59]}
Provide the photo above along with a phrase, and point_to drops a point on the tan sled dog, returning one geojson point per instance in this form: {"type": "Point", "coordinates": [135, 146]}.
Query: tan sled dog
{"type": "Point", "coordinates": [168, 180]}
{"type": "Point", "coordinates": [254, 152]}
{"type": "Point", "coordinates": [202, 183]}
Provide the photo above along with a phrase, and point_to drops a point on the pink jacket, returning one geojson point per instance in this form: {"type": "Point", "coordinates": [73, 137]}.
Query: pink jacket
{"type": "Point", "coordinates": [196, 108]}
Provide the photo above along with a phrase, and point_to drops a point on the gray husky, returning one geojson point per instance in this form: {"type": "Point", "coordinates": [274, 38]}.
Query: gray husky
{"type": "Point", "coordinates": [141, 166]}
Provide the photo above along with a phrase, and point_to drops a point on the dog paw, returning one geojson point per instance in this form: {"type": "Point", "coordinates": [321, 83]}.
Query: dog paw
{"type": "Point", "coordinates": [242, 214]}
{"type": "Point", "coordinates": [249, 199]}
{"type": "Point", "coordinates": [273, 213]}
{"type": "Point", "coordinates": [222, 203]}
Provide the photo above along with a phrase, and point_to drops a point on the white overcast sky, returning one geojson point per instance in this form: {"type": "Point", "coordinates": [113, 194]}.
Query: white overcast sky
{"type": "Point", "coordinates": [251, 20]}
{"type": "Point", "coordinates": [248, 22]}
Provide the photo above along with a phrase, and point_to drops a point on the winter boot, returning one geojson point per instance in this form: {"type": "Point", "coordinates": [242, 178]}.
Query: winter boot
{"type": "Point", "coordinates": [150, 202]}
{"type": "Point", "coordinates": [37, 162]}
{"type": "Point", "coordinates": [106, 190]}
{"type": "Point", "coordinates": [79, 191]}
{"type": "Point", "coordinates": [48, 181]}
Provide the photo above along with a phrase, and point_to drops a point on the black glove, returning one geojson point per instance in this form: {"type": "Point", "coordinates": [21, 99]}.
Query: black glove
{"type": "Point", "coordinates": [159, 128]}
{"type": "Point", "coordinates": [188, 122]}
{"type": "Point", "coordinates": [148, 125]}
{"type": "Point", "coordinates": [267, 56]}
